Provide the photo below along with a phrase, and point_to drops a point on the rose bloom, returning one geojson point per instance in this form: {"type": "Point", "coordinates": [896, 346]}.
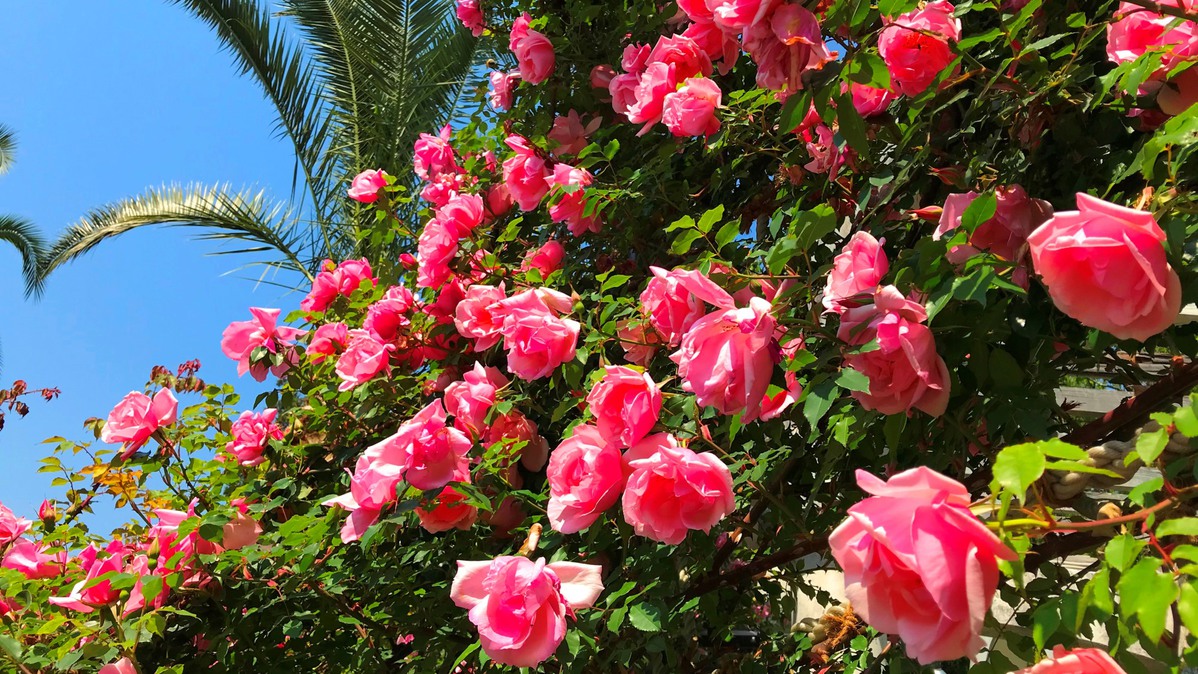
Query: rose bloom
{"type": "Point", "coordinates": [672, 490]}
{"type": "Point", "coordinates": [788, 45]}
{"type": "Point", "coordinates": [442, 187]}
{"type": "Point", "coordinates": [366, 185]}
{"type": "Point", "coordinates": [626, 404]}
{"type": "Point", "coordinates": [736, 15]}
{"type": "Point", "coordinates": [87, 595]}
{"type": "Point", "coordinates": [571, 208]}
{"type": "Point", "coordinates": [870, 101]}
{"type": "Point", "coordinates": [527, 175]}
{"type": "Point", "coordinates": [917, 563]}
{"type": "Point", "coordinates": [32, 561]}
{"type": "Point", "coordinates": [601, 76]}
{"type": "Point", "coordinates": [471, 399]}
{"type": "Point", "coordinates": [520, 606]}
{"type": "Point", "coordinates": [450, 510]}
{"type": "Point", "coordinates": [858, 268]}
{"type": "Point", "coordinates": [1015, 216]}
{"type": "Point", "coordinates": [122, 666]}
{"type": "Point", "coordinates": [623, 89]}
{"type": "Point", "coordinates": [535, 335]}
{"type": "Point", "coordinates": [658, 80]}
{"type": "Point", "coordinates": [251, 432]}
{"type": "Point", "coordinates": [241, 338]}
{"type": "Point", "coordinates": [519, 30]}
{"type": "Point", "coordinates": [535, 58]}
{"type": "Point", "coordinates": [635, 58]}
{"type": "Point", "coordinates": [915, 46]}
{"type": "Point", "coordinates": [473, 317]}
{"type": "Point", "coordinates": [430, 453]}
{"type": "Point", "coordinates": [388, 319]}
{"type": "Point", "coordinates": [364, 358]}
{"type": "Point", "coordinates": [433, 155]}
{"type": "Point", "coordinates": [570, 134]}
{"type": "Point", "coordinates": [687, 57]}
{"type": "Point", "coordinates": [502, 85]}
{"type": "Point", "coordinates": [241, 531]}
{"type": "Point", "coordinates": [1138, 31]}
{"type": "Point", "coordinates": [690, 111]}
{"type": "Point", "coordinates": [371, 488]}
{"type": "Point", "coordinates": [1105, 266]}
{"type": "Point", "coordinates": [546, 259]}
{"type": "Point", "coordinates": [11, 526]}
{"type": "Point", "coordinates": [327, 340]}
{"type": "Point", "coordinates": [334, 280]}
{"type": "Point", "coordinates": [639, 341]}
{"type": "Point", "coordinates": [435, 250]}
{"type": "Point", "coordinates": [1076, 661]}
{"type": "Point", "coordinates": [516, 427]}
{"type": "Point", "coordinates": [461, 214]}
{"type": "Point", "coordinates": [471, 16]}
{"type": "Point", "coordinates": [671, 308]}
{"type": "Point", "coordinates": [135, 419]}
{"type": "Point", "coordinates": [586, 476]}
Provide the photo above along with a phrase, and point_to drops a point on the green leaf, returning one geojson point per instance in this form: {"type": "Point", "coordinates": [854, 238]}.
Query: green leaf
{"type": "Point", "coordinates": [810, 227]}
{"type": "Point", "coordinates": [616, 619]}
{"type": "Point", "coordinates": [1186, 422]}
{"type": "Point", "coordinates": [818, 401]}
{"type": "Point", "coordinates": [1146, 593]}
{"type": "Point", "coordinates": [645, 617]}
{"type": "Point", "coordinates": [852, 380]}
{"type": "Point", "coordinates": [1059, 449]}
{"type": "Point", "coordinates": [781, 253]}
{"type": "Point", "coordinates": [869, 69]}
{"type": "Point", "coordinates": [685, 222]}
{"type": "Point", "coordinates": [1121, 551]}
{"type": "Point", "coordinates": [614, 281]}
{"type": "Point", "coordinates": [1141, 491]}
{"type": "Point", "coordinates": [1150, 445]}
{"type": "Point", "coordinates": [852, 126]}
{"type": "Point", "coordinates": [1187, 607]}
{"type": "Point", "coordinates": [727, 233]}
{"type": "Point", "coordinates": [1096, 594]}
{"type": "Point", "coordinates": [1045, 621]}
{"type": "Point", "coordinates": [1182, 526]}
{"type": "Point", "coordinates": [708, 220]}
{"type": "Point", "coordinates": [979, 210]}
{"type": "Point", "coordinates": [1017, 467]}
{"type": "Point", "coordinates": [683, 243]}
{"type": "Point", "coordinates": [11, 646]}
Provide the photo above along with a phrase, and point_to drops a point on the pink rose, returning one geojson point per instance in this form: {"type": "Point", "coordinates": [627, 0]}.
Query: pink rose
{"type": "Point", "coordinates": [695, 10]}
{"type": "Point", "coordinates": [473, 317]}
{"type": "Point", "coordinates": [858, 269]}
{"type": "Point", "coordinates": [625, 404]}
{"type": "Point", "coordinates": [687, 57]}
{"type": "Point", "coordinates": [429, 453]}
{"type": "Point", "coordinates": [535, 335]}
{"type": "Point", "coordinates": [32, 561]}
{"type": "Point", "coordinates": [1138, 31]}
{"type": "Point", "coordinates": [122, 666]}
{"type": "Point", "coordinates": [788, 45]}
{"type": "Point", "coordinates": [658, 80]}
{"type": "Point", "coordinates": [639, 341]}
{"type": "Point", "coordinates": [88, 595]}
{"type": "Point", "coordinates": [471, 399]}
{"type": "Point", "coordinates": [389, 318]}
{"type": "Point", "coordinates": [502, 86]}
{"type": "Point", "coordinates": [672, 490]}
{"type": "Point", "coordinates": [601, 76]}
{"type": "Point", "coordinates": [450, 510]}
{"type": "Point", "coordinates": [571, 208]}
{"type": "Point", "coordinates": [635, 58]}
{"type": "Point", "coordinates": [241, 531]}
{"type": "Point", "coordinates": [251, 433]}
{"type": "Point", "coordinates": [519, 30]}
{"type": "Point", "coordinates": [520, 606]}
{"type": "Point", "coordinates": [364, 358]}
{"type": "Point", "coordinates": [471, 16]}
{"type": "Point", "coordinates": [1076, 661]}
{"type": "Point", "coordinates": [433, 155]}
{"type": "Point", "coordinates": [670, 307]}
{"type": "Point", "coordinates": [435, 250]}
{"type": "Point", "coordinates": [11, 526]}
{"type": "Point", "coordinates": [371, 488]}
{"type": "Point", "coordinates": [623, 90]}
{"type": "Point", "coordinates": [1105, 266]}
{"type": "Point", "coordinates": [130, 423]}
{"type": "Point", "coordinates": [242, 338]}
{"type": "Point", "coordinates": [586, 476]}
{"type": "Point", "coordinates": [715, 42]}
{"type": "Point", "coordinates": [534, 55]}
{"type": "Point", "coordinates": [515, 427]}
{"type": "Point", "coordinates": [461, 214]}
{"type": "Point", "coordinates": [690, 111]}
{"type": "Point", "coordinates": [499, 200]}
{"type": "Point", "coordinates": [915, 46]}
{"type": "Point", "coordinates": [366, 185]}
{"type": "Point", "coordinates": [570, 134]}
{"type": "Point", "coordinates": [327, 341]}
{"type": "Point", "coordinates": [332, 281]}
{"type": "Point", "coordinates": [442, 187]}
{"type": "Point", "coordinates": [1004, 234]}
{"type": "Point", "coordinates": [546, 259]}
{"type": "Point", "coordinates": [870, 101]}
{"type": "Point", "coordinates": [526, 174]}
{"type": "Point", "coordinates": [918, 564]}
{"type": "Point", "coordinates": [736, 15]}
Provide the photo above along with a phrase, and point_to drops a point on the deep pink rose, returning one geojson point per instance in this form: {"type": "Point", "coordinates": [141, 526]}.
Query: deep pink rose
{"type": "Point", "coordinates": [534, 55]}
{"type": "Point", "coordinates": [1076, 661]}
{"type": "Point", "coordinates": [695, 10]}
{"type": "Point", "coordinates": [130, 423]}
{"type": "Point", "coordinates": [389, 318]}
{"type": "Point", "coordinates": [11, 526]}
{"type": "Point", "coordinates": [625, 404]}
{"type": "Point", "coordinates": [623, 89]}
{"type": "Point", "coordinates": [917, 563]}
{"type": "Point", "coordinates": [526, 174]}
{"type": "Point", "coordinates": [690, 111]}
{"type": "Point", "coordinates": [450, 511]}
{"type": "Point", "coordinates": [461, 214]}
{"type": "Point", "coordinates": [122, 666]}
{"type": "Point", "coordinates": [672, 490]}
{"type": "Point", "coordinates": [471, 399]}
{"type": "Point", "coordinates": [571, 208]}
{"type": "Point", "coordinates": [327, 340]}
{"type": "Point", "coordinates": [858, 268]}
{"type": "Point", "coordinates": [658, 80]}
{"type": "Point", "coordinates": [915, 46]}
{"type": "Point", "coordinates": [371, 488]}
{"type": "Point", "coordinates": [870, 101]}
{"type": "Point", "coordinates": [736, 15]}
{"type": "Point", "coordinates": [32, 560]}
{"type": "Point", "coordinates": [520, 606]}
{"type": "Point", "coordinates": [671, 308]}
{"type": "Point", "coordinates": [430, 453]}
{"type": "Point", "coordinates": [441, 188]}
{"type": "Point", "coordinates": [546, 259]}
{"type": "Point", "coordinates": [94, 564]}
{"type": "Point", "coordinates": [251, 433]}
{"type": "Point", "coordinates": [536, 336]}
{"type": "Point", "coordinates": [586, 476]}
{"type": "Point", "coordinates": [499, 200]}
{"type": "Point", "coordinates": [471, 16]}
{"type": "Point", "coordinates": [435, 250]}
{"type": "Point", "coordinates": [364, 358]}
{"type": "Point", "coordinates": [1004, 234]}
{"type": "Point", "coordinates": [788, 45]}
{"type": "Point", "coordinates": [332, 281]}
{"type": "Point", "coordinates": [639, 341]}
{"type": "Point", "coordinates": [366, 185]}
{"type": "Point", "coordinates": [473, 317]}
{"type": "Point", "coordinates": [1105, 266]}
{"type": "Point", "coordinates": [516, 427]}
{"type": "Point", "coordinates": [716, 42]}
{"type": "Point", "coordinates": [635, 58]}
{"type": "Point", "coordinates": [241, 338]}
{"type": "Point", "coordinates": [570, 134]}
{"type": "Point", "coordinates": [433, 155]}
{"type": "Point", "coordinates": [502, 85]}
{"type": "Point", "coordinates": [687, 57]}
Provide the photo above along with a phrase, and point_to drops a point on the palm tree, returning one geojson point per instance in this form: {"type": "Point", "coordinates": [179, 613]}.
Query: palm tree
{"type": "Point", "coordinates": [354, 83]}
{"type": "Point", "coordinates": [18, 231]}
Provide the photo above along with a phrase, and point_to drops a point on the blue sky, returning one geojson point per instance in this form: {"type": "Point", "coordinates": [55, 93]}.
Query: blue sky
{"type": "Point", "coordinates": [108, 98]}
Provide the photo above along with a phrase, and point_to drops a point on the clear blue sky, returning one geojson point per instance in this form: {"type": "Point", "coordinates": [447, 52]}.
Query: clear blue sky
{"type": "Point", "coordinates": [107, 98]}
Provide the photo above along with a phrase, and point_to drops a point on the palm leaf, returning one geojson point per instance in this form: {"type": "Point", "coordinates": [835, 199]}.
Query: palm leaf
{"type": "Point", "coordinates": [22, 235]}
{"type": "Point", "coordinates": [8, 146]}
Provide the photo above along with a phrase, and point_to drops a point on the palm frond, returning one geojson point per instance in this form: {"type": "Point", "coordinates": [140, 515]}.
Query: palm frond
{"type": "Point", "coordinates": [230, 215]}
{"type": "Point", "coordinates": [25, 238]}
{"type": "Point", "coordinates": [8, 147]}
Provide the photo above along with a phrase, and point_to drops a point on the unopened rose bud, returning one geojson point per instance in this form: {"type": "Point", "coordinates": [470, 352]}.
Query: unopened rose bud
{"type": "Point", "coordinates": [928, 213]}
{"type": "Point", "coordinates": [47, 513]}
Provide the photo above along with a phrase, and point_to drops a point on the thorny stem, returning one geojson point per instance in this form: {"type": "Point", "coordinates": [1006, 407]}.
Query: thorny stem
{"type": "Point", "coordinates": [1164, 9]}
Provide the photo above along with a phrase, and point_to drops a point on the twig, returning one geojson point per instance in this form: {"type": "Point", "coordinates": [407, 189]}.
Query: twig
{"type": "Point", "coordinates": [761, 565]}
{"type": "Point", "coordinates": [1164, 9]}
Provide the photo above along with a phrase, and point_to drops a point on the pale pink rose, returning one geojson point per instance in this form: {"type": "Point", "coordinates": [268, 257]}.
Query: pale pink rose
{"type": "Point", "coordinates": [473, 317]}
{"type": "Point", "coordinates": [87, 595]}
{"type": "Point", "coordinates": [130, 423]}
{"type": "Point", "coordinates": [502, 85]}
{"type": "Point", "coordinates": [536, 336]}
{"type": "Point", "coordinates": [371, 488]}
{"type": "Point", "coordinates": [570, 134]}
{"type": "Point", "coordinates": [1105, 266]}
{"type": "Point", "coordinates": [639, 341]}
{"type": "Point", "coordinates": [571, 208]}
{"type": "Point", "coordinates": [241, 531]}
{"type": "Point", "coordinates": [917, 563]}
{"type": "Point", "coordinates": [241, 338]}
{"type": "Point", "coordinates": [687, 57]}
{"type": "Point", "coordinates": [789, 44]}
{"type": "Point", "coordinates": [727, 358]}
{"type": "Point", "coordinates": [389, 318]}
{"type": "Point", "coordinates": [471, 16]}
{"type": "Point", "coordinates": [623, 89]}
{"type": "Point", "coordinates": [915, 46]}
{"type": "Point", "coordinates": [858, 268]}
{"type": "Point", "coordinates": [670, 307]}
{"type": "Point", "coordinates": [450, 511]}
{"type": "Point", "coordinates": [658, 80]}
{"type": "Point", "coordinates": [736, 15]}
{"type": "Point", "coordinates": [690, 111]}
{"type": "Point", "coordinates": [905, 372]}
{"type": "Point", "coordinates": [433, 155]}
{"type": "Point", "coordinates": [520, 606]}
{"type": "Point", "coordinates": [32, 561]}
{"type": "Point", "coordinates": [716, 42]}
{"type": "Point", "coordinates": [526, 174]}
{"type": "Point", "coordinates": [122, 666]}
{"type": "Point", "coordinates": [1076, 661]}
{"type": "Point", "coordinates": [601, 76]}
{"type": "Point", "coordinates": [515, 427]}
{"type": "Point", "coordinates": [435, 250]}
{"type": "Point", "coordinates": [471, 399]}
{"type": "Point", "coordinates": [366, 185]}
{"type": "Point", "coordinates": [327, 340]}
{"type": "Point", "coordinates": [586, 476]}
{"type": "Point", "coordinates": [429, 453]}
{"type": "Point", "coordinates": [1015, 216]}
{"type": "Point", "coordinates": [625, 404]}
{"type": "Point", "coordinates": [519, 30]}
{"type": "Point", "coordinates": [251, 433]}
{"type": "Point", "coordinates": [364, 358]}
{"type": "Point", "coordinates": [535, 58]}
{"type": "Point", "coordinates": [461, 214]}
{"type": "Point", "coordinates": [870, 101]}
{"type": "Point", "coordinates": [672, 490]}
{"type": "Point", "coordinates": [635, 58]}
{"type": "Point", "coordinates": [546, 259]}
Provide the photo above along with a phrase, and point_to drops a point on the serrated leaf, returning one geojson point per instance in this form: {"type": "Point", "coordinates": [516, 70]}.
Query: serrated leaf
{"type": "Point", "coordinates": [1150, 445]}
{"type": "Point", "coordinates": [616, 619]}
{"type": "Point", "coordinates": [1147, 594]}
{"type": "Point", "coordinates": [1182, 526]}
{"type": "Point", "coordinates": [852, 380]}
{"type": "Point", "coordinates": [978, 211]}
{"type": "Point", "coordinates": [1187, 606]}
{"type": "Point", "coordinates": [1186, 422]}
{"type": "Point", "coordinates": [614, 281]}
{"type": "Point", "coordinates": [1121, 551]}
{"type": "Point", "coordinates": [818, 401]}
{"type": "Point", "coordinates": [1017, 467]}
{"type": "Point", "coordinates": [645, 617]}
